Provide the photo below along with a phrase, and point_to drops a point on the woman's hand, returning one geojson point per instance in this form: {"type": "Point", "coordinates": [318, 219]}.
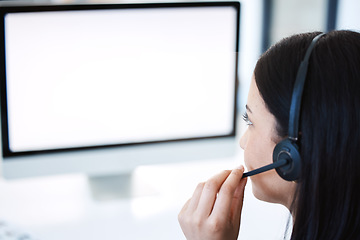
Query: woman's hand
{"type": "Point", "coordinates": [214, 210]}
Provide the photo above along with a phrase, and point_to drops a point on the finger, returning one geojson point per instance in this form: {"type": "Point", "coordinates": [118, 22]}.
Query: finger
{"type": "Point", "coordinates": [186, 206]}
{"type": "Point", "coordinates": [238, 199]}
{"type": "Point", "coordinates": [191, 204]}
{"type": "Point", "coordinates": [194, 201]}
{"type": "Point", "coordinates": [222, 205]}
{"type": "Point", "coordinates": [209, 193]}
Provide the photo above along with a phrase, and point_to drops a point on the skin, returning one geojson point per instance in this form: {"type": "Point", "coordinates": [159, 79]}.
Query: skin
{"type": "Point", "coordinates": [258, 143]}
{"type": "Point", "coordinates": [214, 210]}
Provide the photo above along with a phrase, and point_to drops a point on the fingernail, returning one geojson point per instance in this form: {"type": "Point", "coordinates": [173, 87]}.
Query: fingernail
{"type": "Point", "coordinates": [241, 167]}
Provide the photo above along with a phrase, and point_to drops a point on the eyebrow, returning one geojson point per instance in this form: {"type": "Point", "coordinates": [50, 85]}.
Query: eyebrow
{"type": "Point", "coordinates": [247, 108]}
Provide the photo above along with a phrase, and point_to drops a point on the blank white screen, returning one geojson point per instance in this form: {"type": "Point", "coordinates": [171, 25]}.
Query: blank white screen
{"type": "Point", "coordinates": [88, 78]}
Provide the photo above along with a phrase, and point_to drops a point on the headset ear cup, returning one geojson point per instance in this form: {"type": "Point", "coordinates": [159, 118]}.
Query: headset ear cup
{"type": "Point", "coordinates": [288, 150]}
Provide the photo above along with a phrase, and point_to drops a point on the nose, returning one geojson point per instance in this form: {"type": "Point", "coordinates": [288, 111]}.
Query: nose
{"type": "Point", "coordinates": [243, 140]}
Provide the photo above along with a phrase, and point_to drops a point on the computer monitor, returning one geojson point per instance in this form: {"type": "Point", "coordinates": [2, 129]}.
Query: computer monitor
{"type": "Point", "coordinates": [103, 88]}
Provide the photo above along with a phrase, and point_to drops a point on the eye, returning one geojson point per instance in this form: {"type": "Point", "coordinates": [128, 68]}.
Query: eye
{"type": "Point", "coordinates": [246, 119]}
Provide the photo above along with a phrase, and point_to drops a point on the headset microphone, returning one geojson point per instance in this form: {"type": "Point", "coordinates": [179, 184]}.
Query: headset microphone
{"type": "Point", "coordinates": [286, 155]}
{"type": "Point", "coordinates": [277, 164]}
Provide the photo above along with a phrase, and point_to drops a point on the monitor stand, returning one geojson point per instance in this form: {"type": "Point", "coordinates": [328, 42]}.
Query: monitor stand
{"type": "Point", "coordinates": [121, 186]}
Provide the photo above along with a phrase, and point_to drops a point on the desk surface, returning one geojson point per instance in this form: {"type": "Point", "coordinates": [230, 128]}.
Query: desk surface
{"type": "Point", "coordinates": [63, 207]}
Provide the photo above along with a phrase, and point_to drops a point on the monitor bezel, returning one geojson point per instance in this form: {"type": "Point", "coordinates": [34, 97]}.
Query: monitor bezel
{"type": "Point", "coordinates": [6, 151]}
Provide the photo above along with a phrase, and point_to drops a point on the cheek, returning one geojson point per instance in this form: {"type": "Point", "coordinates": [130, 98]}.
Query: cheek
{"type": "Point", "coordinates": [266, 186]}
{"type": "Point", "coordinates": [258, 153]}
{"type": "Point", "coordinates": [270, 187]}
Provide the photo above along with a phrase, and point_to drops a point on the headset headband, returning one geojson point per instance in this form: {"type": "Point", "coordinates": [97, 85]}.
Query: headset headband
{"type": "Point", "coordinates": [298, 91]}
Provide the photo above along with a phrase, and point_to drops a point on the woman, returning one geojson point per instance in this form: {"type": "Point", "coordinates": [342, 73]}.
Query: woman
{"type": "Point", "coordinates": [325, 200]}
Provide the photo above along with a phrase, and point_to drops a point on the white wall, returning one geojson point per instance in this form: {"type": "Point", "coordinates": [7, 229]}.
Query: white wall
{"type": "Point", "coordinates": [293, 16]}
{"type": "Point", "coordinates": [348, 15]}
{"type": "Point", "coordinates": [250, 45]}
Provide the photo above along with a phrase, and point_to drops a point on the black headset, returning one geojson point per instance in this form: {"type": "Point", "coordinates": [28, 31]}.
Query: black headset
{"type": "Point", "coordinates": [286, 155]}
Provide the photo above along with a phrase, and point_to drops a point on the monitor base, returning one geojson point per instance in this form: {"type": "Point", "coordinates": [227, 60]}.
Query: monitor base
{"type": "Point", "coordinates": [122, 186]}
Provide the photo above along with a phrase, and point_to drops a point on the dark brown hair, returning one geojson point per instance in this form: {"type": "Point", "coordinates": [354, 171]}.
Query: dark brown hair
{"type": "Point", "coordinates": [327, 199]}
